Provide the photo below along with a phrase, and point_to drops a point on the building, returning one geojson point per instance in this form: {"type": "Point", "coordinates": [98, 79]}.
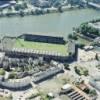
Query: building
{"type": "Point", "coordinates": [6, 3]}
{"type": "Point", "coordinates": [22, 84]}
{"type": "Point", "coordinates": [94, 5]}
{"type": "Point", "coordinates": [39, 77]}
{"type": "Point", "coordinates": [41, 3]}
{"type": "Point", "coordinates": [2, 55]}
{"type": "Point", "coordinates": [86, 55]}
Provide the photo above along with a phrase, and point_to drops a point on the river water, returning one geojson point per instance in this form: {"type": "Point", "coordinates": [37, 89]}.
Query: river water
{"type": "Point", "coordinates": [49, 24]}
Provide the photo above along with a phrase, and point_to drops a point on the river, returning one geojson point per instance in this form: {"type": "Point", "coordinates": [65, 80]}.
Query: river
{"type": "Point", "coordinates": [49, 24]}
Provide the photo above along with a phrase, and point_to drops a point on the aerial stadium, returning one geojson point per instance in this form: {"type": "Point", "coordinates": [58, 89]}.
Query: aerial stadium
{"type": "Point", "coordinates": [48, 47]}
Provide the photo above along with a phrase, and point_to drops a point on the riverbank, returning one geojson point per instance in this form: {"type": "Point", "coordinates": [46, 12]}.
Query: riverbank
{"type": "Point", "coordinates": [25, 8]}
{"type": "Point", "coordinates": [36, 11]}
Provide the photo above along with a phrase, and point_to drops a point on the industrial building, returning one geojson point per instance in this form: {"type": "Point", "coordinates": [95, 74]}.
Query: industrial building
{"type": "Point", "coordinates": [74, 93]}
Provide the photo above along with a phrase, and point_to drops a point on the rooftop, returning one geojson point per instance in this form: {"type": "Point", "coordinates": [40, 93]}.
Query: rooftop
{"type": "Point", "coordinates": [60, 49]}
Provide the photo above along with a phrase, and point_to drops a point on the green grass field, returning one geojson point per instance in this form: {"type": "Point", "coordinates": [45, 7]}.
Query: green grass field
{"type": "Point", "coordinates": [4, 98]}
{"type": "Point", "coordinates": [83, 41]}
{"type": "Point", "coordinates": [59, 48]}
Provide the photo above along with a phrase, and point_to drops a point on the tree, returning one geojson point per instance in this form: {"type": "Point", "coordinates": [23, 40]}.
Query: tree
{"type": "Point", "coordinates": [86, 72]}
{"type": "Point", "coordinates": [70, 36]}
{"type": "Point", "coordinates": [37, 12]}
{"type": "Point", "coordinates": [25, 5]}
{"type": "Point", "coordinates": [48, 11]}
{"type": "Point", "coordinates": [71, 2]}
{"type": "Point", "coordinates": [60, 9]}
{"type": "Point", "coordinates": [22, 68]}
{"type": "Point", "coordinates": [81, 45]}
{"type": "Point", "coordinates": [86, 29]}
{"type": "Point", "coordinates": [66, 66]}
{"type": "Point", "coordinates": [17, 1]}
{"type": "Point", "coordinates": [97, 58]}
{"type": "Point", "coordinates": [2, 72]}
{"type": "Point", "coordinates": [10, 97]}
{"type": "Point", "coordinates": [70, 53]}
{"type": "Point", "coordinates": [12, 75]}
{"type": "Point", "coordinates": [87, 90]}
{"type": "Point", "coordinates": [93, 92]}
{"type": "Point", "coordinates": [21, 13]}
{"type": "Point", "coordinates": [32, 12]}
